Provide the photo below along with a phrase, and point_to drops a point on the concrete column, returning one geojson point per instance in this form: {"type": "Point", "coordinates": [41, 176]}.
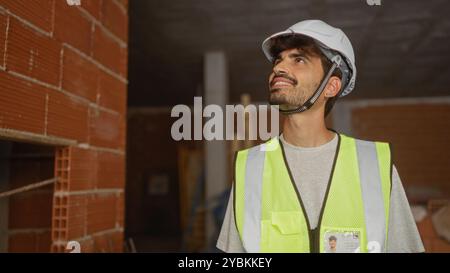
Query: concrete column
{"type": "Point", "coordinates": [216, 165]}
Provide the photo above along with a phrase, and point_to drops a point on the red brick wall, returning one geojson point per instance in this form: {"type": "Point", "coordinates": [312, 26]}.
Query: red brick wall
{"type": "Point", "coordinates": [63, 79]}
{"type": "Point", "coordinates": [419, 135]}
{"type": "Point", "coordinates": [418, 130]}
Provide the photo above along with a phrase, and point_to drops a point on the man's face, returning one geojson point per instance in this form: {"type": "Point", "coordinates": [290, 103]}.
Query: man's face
{"type": "Point", "coordinates": [332, 244]}
{"type": "Point", "coordinates": [295, 77]}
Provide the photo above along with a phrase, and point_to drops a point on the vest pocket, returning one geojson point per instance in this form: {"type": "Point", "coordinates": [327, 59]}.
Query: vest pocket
{"type": "Point", "coordinates": [285, 232]}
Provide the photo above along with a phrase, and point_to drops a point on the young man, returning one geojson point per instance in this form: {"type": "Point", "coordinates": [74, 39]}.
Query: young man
{"type": "Point", "coordinates": [292, 192]}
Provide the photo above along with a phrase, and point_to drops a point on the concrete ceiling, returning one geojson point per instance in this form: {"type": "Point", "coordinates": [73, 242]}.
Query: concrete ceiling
{"type": "Point", "coordinates": [402, 47]}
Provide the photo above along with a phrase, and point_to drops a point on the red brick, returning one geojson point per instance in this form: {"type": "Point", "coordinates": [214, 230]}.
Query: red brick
{"type": "Point", "coordinates": [118, 239]}
{"type": "Point", "coordinates": [22, 104]}
{"type": "Point", "coordinates": [77, 217]}
{"type": "Point", "coordinates": [111, 242]}
{"type": "Point", "coordinates": [72, 27]}
{"type": "Point", "coordinates": [115, 18]}
{"type": "Point", "coordinates": [124, 63]}
{"type": "Point", "coordinates": [112, 93]}
{"type": "Point", "coordinates": [101, 212]}
{"type": "Point", "coordinates": [93, 7]}
{"type": "Point", "coordinates": [79, 75]}
{"type": "Point", "coordinates": [413, 130]}
{"type": "Point", "coordinates": [30, 242]}
{"type": "Point", "coordinates": [83, 169]}
{"type": "Point", "coordinates": [22, 242]}
{"type": "Point", "coordinates": [105, 128]}
{"type": "Point", "coordinates": [31, 210]}
{"type": "Point", "coordinates": [57, 248]}
{"type": "Point", "coordinates": [86, 245]}
{"type": "Point", "coordinates": [102, 243]}
{"type": "Point", "coordinates": [43, 242]}
{"type": "Point", "coordinates": [67, 117]}
{"type": "Point", "coordinates": [37, 12]}
{"type": "Point", "coordinates": [111, 170]}
{"type": "Point", "coordinates": [120, 210]}
{"type": "Point", "coordinates": [124, 4]}
{"type": "Point", "coordinates": [32, 54]}
{"type": "Point", "coordinates": [123, 133]}
{"type": "Point", "coordinates": [109, 52]}
{"type": "Point", "coordinates": [3, 25]}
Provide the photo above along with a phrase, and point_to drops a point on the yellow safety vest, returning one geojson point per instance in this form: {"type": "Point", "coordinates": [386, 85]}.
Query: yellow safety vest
{"type": "Point", "coordinates": [270, 215]}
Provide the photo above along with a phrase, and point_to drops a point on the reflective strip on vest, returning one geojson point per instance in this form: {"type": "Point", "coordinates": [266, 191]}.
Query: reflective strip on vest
{"type": "Point", "coordinates": [253, 194]}
{"type": "Point", "coordinates": [372, 195]}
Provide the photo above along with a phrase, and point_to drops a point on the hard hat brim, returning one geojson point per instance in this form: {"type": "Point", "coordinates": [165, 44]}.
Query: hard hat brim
{"type": "Point", "coordinates": [266, 43]}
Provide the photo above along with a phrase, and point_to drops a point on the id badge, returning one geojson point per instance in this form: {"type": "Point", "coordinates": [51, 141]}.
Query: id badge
{"type": "Point", "coordinates": [341, 241]}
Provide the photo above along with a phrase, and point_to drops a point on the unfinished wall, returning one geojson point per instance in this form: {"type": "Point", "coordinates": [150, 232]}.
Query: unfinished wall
{"type": "Point", "coordinates": [63, 80]}
{"type": "Point", "coordinates": [418, 130]}
{"type": "Point", "coordinates": [419, 135]}
{"type": "Point", "coordinates": [30, 212]}
{"type": "Point", "coordinates": [152, 181]}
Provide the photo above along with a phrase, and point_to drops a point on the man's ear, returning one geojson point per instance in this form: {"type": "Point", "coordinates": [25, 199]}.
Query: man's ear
{"type": "Point", "coordinates": [333, 87]}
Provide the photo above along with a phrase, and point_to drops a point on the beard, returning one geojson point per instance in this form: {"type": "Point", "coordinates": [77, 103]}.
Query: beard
{"type": "Point", "coordinates": [293, 96]}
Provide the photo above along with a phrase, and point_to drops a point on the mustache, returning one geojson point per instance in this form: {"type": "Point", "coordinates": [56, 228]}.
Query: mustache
{"type": "Point", "coordinates": [282, 75]}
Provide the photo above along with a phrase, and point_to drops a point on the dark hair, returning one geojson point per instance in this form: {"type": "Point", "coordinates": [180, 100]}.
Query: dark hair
{"type": "Point", "coordinates": [310, 47]}
{"type": "Point", "coordinates": [332, 238]}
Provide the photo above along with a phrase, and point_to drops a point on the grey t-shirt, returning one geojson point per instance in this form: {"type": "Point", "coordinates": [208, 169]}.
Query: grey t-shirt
{"type": "Point", "coordinates": [311, 179]}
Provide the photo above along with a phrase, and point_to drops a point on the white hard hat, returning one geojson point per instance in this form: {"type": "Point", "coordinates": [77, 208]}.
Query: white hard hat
{"type": "Point", "coordinates": [327, 37]}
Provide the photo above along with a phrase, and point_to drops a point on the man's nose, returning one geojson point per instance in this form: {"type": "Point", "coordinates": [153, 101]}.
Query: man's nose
{"type": "Point", "coordinates": [280, 69]}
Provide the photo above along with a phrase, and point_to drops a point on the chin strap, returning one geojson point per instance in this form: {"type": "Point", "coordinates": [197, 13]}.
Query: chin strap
{"type": "Point", "coordinates": [337, 61]}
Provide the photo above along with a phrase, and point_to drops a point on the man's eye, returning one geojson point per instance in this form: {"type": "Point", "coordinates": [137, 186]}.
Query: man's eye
{"type": "Point", "coordinates": [299, 60]}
